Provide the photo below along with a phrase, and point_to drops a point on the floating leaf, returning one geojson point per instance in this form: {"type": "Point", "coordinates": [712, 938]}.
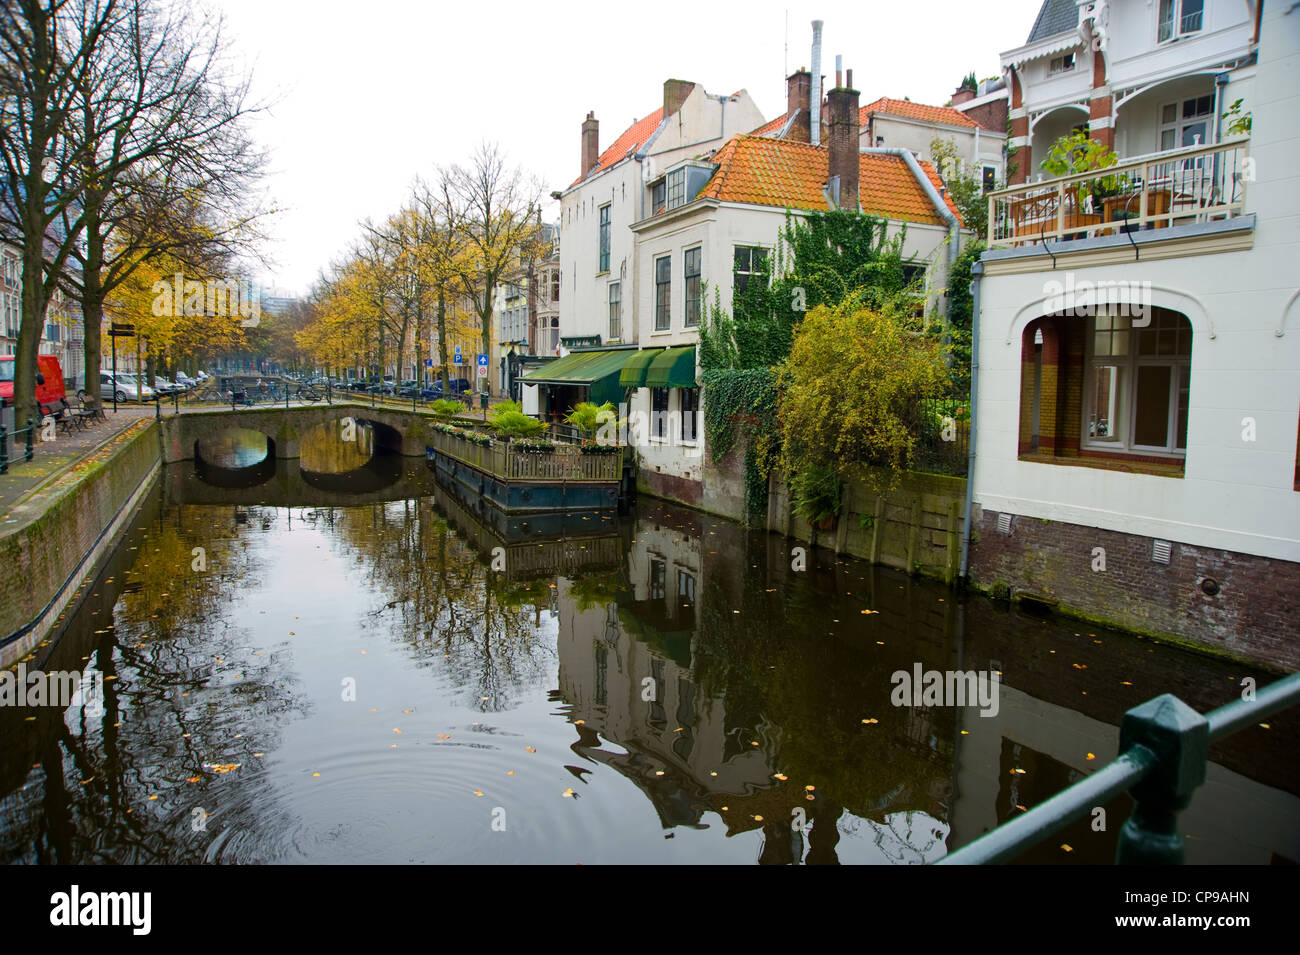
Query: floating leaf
{"type": "Point", "coordinates": [530, 749]}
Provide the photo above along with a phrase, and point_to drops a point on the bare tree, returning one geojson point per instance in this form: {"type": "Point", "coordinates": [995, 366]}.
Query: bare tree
{"type": "Point", "coordinates": [498, 221]}
{"type": "Point", "coordinates": [169, 168]}
{"type": "Point", "coordinates": [47, 52]}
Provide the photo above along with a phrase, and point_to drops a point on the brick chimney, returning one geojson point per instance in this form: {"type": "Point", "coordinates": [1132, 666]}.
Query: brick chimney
{"type": "Point", "coordinates": [842, 142]}
{"type": "Point", "coordinates": [675, 93]}
{"type": "Point", "coordinates": [590, 142]}
{"type": "Point", "coordinates": [798, 96]}
{"type": "Point", "coordinates": [962, 94]}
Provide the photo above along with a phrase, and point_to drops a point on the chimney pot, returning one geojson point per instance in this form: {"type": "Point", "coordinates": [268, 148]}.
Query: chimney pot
{"type": "Point", "coordinates": [675, 93]}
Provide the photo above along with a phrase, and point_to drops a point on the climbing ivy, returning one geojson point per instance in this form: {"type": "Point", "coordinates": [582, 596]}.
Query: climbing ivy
{"type": "Point", "coordinates": [823, 258]}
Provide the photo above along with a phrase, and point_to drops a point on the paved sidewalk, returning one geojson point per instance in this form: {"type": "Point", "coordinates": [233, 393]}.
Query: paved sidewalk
{"type": "Point", "coordinates": [52, 458]}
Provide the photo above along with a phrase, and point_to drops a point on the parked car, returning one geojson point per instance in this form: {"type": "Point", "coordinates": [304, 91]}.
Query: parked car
{"type": "Point", "coordinates": [455, 386]}
{"type": "Point", "coordinates": [50, 393]}
{"type": "Point", "coordinates": [166, 386]}
{"type": "Point", "coordinates": [124, 387]}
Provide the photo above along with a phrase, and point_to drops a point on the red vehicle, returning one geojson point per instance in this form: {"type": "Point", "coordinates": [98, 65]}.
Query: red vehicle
{"type": "Point", "coordinates": [50, 394]}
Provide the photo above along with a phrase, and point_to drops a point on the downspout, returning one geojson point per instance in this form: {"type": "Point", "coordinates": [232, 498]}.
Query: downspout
{"type": "Point", "coordinates": [815, 100]}
{"type": "Point", "coordinates": [977, 273]}
{"type": "Point", "coordinates": [940, 206]}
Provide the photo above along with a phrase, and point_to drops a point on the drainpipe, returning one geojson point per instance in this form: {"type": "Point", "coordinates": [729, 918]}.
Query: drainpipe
{"type": "Point", "coordinates": [815, 99]}
{"type": "Point", "coordinates": [954, 229]}
{"type": "Point", "coordinates": [977, 273]}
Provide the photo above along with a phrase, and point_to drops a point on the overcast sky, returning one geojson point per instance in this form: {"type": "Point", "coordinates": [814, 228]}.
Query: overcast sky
{"type": "Point", "coordinates": [371, 94]}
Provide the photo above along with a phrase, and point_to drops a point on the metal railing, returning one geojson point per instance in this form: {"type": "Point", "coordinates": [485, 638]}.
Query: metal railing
{"type": "Point", "coordinates": [1164, 750]}
{"type": "Point", "coordinates": [5, 437]}
{"type": "Point", "coordinates": [942, 429]}
{"type": "Point", "coordinates": [1175, 187]}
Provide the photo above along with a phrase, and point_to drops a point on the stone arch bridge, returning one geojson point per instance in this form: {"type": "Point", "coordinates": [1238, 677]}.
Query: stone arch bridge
{"type": "Point", "coordinates": [404, 432]}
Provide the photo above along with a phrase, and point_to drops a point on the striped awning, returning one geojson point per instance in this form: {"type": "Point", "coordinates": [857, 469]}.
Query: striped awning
{"type": "Point", "coordinates": [672, 368]}
{"type": "Point", "coordinates": [634, 371]}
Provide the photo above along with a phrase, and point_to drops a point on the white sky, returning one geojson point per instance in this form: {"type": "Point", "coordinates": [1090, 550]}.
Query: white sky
{"type": "Point", "coordinates": [371, 94]}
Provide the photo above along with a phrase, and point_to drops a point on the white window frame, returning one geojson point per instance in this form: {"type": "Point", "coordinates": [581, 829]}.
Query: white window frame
{"type": "Point", "coordinates": [1179, 125]}
{"type": "Point", "coordinates": [611, 301]}
{"type": "Point", "coordinates": [1054, 70]}
{"type": "Point", "coordinates": [1126, 385]}
{"type": "Point", "coordinates": [1176, 30]}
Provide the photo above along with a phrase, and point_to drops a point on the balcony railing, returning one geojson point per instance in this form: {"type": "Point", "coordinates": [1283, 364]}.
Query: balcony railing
{"type": "Point", "coordinates": [1173, 188]}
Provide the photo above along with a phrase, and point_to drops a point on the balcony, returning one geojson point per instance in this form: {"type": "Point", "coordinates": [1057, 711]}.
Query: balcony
{"type": "Point", "coordinates": [1179, 187]}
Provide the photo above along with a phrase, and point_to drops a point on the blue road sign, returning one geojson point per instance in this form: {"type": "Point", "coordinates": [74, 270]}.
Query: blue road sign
{"type": "Point", "coordinates": [483, 360]}
{"type": "Point", "coordinates": [457, 359]}
{"type": "Point", "coordinates": [428, 363]}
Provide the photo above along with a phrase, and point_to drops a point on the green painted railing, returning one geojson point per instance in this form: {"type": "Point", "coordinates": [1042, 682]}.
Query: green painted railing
{"type": "Point", "coordinates": [1164, 750]}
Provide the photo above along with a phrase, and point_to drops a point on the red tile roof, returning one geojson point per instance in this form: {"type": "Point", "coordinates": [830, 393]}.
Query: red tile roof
{"type": "Point", "coordinates": [773, 127]}
{"type": "Point", "coordinates": [633, 138]}
{"type": "Point", "coordinates": [902, 107]}
{"type": "Point", "coordinates": [776, 172]}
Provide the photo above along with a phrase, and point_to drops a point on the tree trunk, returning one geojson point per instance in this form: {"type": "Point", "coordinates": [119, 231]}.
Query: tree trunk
{"type": "Point", "coordinates": [29, 335]}
{"type": "Point", "coordinates": [442, 341]}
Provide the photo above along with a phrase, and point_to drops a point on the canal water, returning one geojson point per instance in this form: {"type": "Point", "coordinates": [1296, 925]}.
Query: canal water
{"type": "Point", "coordinates": [339, 660]}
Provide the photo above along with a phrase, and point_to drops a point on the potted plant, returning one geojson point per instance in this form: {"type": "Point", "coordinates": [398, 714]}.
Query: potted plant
{"type": "Point", "coordinates": [1074, 154]}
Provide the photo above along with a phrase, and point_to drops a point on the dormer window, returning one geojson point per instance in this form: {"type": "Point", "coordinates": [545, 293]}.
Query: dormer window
{"type": "Point", "coordinates": [676, 188]}
{"type": "Point", "coordinates": [1061, 64]}
{"type": "Point", "coordinates": [1180, 17]}
{"type": "Point", "coordinates": [658, 197]}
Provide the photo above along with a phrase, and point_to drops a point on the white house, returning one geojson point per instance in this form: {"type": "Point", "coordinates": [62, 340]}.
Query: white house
{"type": "Point", "coordinates": [1139, 75]}
{"type": "Point", "coordinates": [711, 240]}
{"type": "Point", "coordinates": [1138, 383]}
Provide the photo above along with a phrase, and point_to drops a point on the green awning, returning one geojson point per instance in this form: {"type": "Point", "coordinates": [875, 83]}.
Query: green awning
{"type": "Point", "coordinates": [598, 369]}
{"type": "Point", "coordinates": [633, 375]}
{"type": "Point", "coordinates": [672, 368]}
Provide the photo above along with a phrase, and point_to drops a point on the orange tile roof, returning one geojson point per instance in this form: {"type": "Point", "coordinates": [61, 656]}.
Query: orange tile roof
{"type": "Point", "coordinates": [902, 107]}
{"type": "Point", "coordinates": [773, 127]}
{"type": "Point", "coordinates": [776, 172]}
{"type": "Point", "coordinates": [632, 138]}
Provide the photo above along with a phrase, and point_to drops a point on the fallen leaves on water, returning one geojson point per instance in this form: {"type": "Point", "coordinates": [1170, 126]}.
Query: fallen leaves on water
{"type": "Point", "coordinates": [152, 798]}
{"type": "Point", "coordinates": [444, 736]}
{"type": "Point", "coordinates": [870, 611]}
{"type": "Point", "coordinates": [1090, 756]}
{"type": "Point", "coordinates": [781, 776]}
{"type": "Point", "coordinates": [530, 749]}
{"type": "Point", "coordinates": [1017, 772]}
{"type": "Point", "coordinates": [872, 720]}
{"type": "Point", "coordinates": [758, 818]}
{"type": "Point", "coordinates": [221, 767]}
{"type": "Point", "coordinates": [478, 792]}
{"type": "Point", "coordinates": [396, 730]}
{"type": "Point", "coordinates": [1067, 847]}
{"type": "Point", "coordinates": [194, 779]}
{"type": "Point", "coordinates": [568, 793]}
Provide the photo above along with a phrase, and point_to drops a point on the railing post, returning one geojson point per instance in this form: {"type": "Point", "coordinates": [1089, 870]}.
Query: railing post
{"type": "Point", "coordinates": [31, 427]}
{"type": "Point", "coordinates": [1179, 737]}
{"type": "Point", "coordinates": [4, 450]}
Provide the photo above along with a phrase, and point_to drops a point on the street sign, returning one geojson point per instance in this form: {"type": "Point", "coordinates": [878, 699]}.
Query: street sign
{"type": "Point", "coordinates": [428, 363]}
{"type": "Point", "coordinates": [482, 371]}
{"type": "Point", "coordinates": [482, 361]}
{"type": "Point", "coordinates": [457, 359]}
{"type": "Point", "coordinates": [120, 331]}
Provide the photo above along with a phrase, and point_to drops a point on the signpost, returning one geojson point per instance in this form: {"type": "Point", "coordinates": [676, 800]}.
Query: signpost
{"type": "Point", "coordinates": [116, 331]}
{"type": "Point", "coordinates": [458, 359]}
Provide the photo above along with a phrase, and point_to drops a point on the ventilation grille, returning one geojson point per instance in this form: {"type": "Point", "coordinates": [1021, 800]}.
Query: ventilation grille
{"type": "Point", "coordinates": [1160, 551]}
{"type": "Point", "coordinates": [1004, 523]}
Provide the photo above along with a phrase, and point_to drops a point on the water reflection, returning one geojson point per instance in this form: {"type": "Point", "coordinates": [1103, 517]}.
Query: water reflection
{"type": "Point", "coordinates": [372, 682]}
{"type": "Point", "coordinates": [233, 448]}
{"type": "Point", "coordinates": [337, 447]}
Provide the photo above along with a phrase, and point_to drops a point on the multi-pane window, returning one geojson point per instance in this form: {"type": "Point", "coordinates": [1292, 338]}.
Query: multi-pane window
{"type": "Point", "coordinates": [1138, 383]}
{"type": "Point", "coordinates": [658, 579]}
{"type": "Point", "coordinates": [988, 179]}
{"type": "Point", "coordinates": [1061, 64]}
{"type": "Point", "coordinates": [690, 413]}
{"type": "Point", "coordinates": [692, 269]}
{"type": "Point", "coordinates": [676, 188]}
{"type": "Point", "coordinates": [750, 261]}
{"type": "Point", "coordinates": [615, 311]}
{"type": "Point", "coordinates": [658, 411]}
{"type": "Point", "coordinates": [663, 293]}
{"type": "Point", "coordinates": [1178, 17]}
{"type": "Point", "coordinates": [555, 286]}
{"type": "Point", "coordinates": [658, 197]}
{"type": "Point", "coordinates": [1186, 123]}
{"type": "Point", "coordinates": [604, 238]}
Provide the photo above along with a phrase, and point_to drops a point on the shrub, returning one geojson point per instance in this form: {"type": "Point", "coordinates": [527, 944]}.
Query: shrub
{"type": "Point", "coordinates": [447, 407]}
{"type": "Point", "coordinates": [586, 415]}
{"type": "Point", "coordinates": [512, 423]}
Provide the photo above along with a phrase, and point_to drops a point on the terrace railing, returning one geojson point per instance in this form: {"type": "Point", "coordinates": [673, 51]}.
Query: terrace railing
{"type": "Point", "coordinates": [1172, 188]}
{"type": "Point", "coordinates": [565, 463]}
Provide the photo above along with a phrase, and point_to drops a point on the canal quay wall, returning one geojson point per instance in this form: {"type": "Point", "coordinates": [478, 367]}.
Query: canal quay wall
{"type": "Point", "coordinates": [63, 532]}
{"type": "Point", "coordinates": [1229, 604]}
